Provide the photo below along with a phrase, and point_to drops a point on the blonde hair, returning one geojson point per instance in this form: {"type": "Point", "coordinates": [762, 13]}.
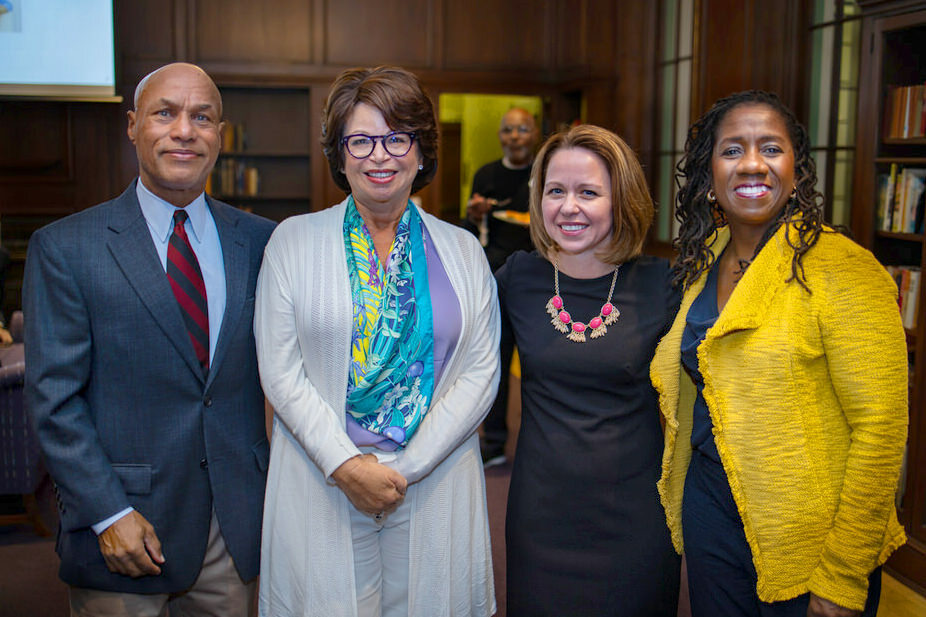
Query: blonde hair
{"type": "Point", "coordinates": [631, 203]}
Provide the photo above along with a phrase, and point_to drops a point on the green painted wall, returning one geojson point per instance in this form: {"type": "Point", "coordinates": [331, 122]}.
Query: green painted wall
{"type": "Point", "coordinates": [479, 116]}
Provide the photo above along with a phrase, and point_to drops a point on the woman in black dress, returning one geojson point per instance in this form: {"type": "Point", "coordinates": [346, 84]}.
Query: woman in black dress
{"type": "Point", "coordinates": [585, 530]}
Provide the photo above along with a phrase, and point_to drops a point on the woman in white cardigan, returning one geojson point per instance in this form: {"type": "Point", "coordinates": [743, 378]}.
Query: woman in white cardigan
{"type": "Point", "coordinates": [377, 338]}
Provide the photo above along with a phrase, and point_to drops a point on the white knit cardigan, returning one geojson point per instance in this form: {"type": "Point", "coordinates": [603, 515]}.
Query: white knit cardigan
{"type": "Point", "coordinates": [303, 323]}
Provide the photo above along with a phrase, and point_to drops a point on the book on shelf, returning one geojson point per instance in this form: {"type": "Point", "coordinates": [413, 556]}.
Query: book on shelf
{"type": "Point", "coordinates": [905, 112]}
{"type": "Point", "coordinates": [912, 299]}
{"type": "Point", "coordinates": [914, 184]}
{"type": "Point", "coordinates": [231, 178]}
{"type": "Point", "coordinates": [908, 286]}
{"type": "Point", "coordinates": [234, 138]}
{"type": "Point", "coordinates": [885, 209]}
{"type": "Point", "coordinates": [901, 199]}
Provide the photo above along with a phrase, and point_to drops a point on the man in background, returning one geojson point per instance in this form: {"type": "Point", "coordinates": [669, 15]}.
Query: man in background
{"type": "Point", "coordinates": [141, 374]}
{"type": "Point", "coordinates": [500, 187]}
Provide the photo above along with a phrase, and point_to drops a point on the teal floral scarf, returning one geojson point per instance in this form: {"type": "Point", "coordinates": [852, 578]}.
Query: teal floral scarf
{"type": "Point", "coordinates": [391, 379]}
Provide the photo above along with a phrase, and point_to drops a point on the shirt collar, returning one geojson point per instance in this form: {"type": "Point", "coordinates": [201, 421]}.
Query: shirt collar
{"type": "Point", "coordinates": [160, 214]}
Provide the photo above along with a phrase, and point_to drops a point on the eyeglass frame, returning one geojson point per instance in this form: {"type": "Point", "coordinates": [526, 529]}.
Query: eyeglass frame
{"type": "Point", "coordinates": [382, 140]}
{"type": "Point", "coordinates": [520, 129]}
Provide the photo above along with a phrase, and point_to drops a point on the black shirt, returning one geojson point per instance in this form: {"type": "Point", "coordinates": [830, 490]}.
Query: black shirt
{"type": "Point", "coordinates": [495, 181]}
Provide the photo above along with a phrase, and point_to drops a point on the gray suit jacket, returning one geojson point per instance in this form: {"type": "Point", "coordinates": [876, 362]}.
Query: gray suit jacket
{"type": "Point", "coordinates": [122, 411]}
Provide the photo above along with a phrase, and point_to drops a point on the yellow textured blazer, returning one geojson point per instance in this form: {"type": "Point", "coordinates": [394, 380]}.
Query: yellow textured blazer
{"type": "Point", "coordinates": [807, 393]}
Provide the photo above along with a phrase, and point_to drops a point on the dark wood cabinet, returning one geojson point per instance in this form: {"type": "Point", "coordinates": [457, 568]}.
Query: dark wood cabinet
{"type": "Point", "coordinates": [894, 58]}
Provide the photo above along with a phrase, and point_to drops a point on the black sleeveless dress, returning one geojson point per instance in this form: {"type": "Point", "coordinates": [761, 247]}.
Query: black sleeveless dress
{"type": "Point", "coordinates": [585, 532]}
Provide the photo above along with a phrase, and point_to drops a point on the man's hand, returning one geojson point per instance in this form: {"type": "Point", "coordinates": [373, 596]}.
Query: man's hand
{"type": "Point", "coordinates": [477, 207]}
{"type": "Point", "coordinates": [820, 607]}
{"type": "Point", "coordinates": [131, 547]}
{"type": "Point", "coordinates": [369, 485]}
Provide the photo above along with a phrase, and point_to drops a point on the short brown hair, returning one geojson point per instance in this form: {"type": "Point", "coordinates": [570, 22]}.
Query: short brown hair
{"type": "Point", "coordinates": [398, 95]}
{"type": "Point", "coordinates": [631, 203]}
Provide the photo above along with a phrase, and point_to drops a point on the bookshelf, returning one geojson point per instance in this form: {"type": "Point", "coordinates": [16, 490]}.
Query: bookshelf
{"type": "Point", "coordinates": [888, 201]}
{"type": "Point", "coordinates": [265, 166]}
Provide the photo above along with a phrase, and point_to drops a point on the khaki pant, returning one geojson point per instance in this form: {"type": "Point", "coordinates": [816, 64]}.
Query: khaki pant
{"type": "Point", "coordinates": [217, 592]}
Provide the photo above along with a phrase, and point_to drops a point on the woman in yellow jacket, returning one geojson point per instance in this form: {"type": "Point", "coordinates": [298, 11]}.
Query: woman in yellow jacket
{"type": "Point", "coordinates": [783, 381]}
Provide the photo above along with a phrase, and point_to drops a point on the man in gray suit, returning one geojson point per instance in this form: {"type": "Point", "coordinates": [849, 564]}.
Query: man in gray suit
{"type": "Point", "coordinates": [141, 374]}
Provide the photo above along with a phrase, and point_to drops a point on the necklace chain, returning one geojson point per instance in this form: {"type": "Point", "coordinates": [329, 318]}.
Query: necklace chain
{"type": "Point", "coordinates": [575, 330]}
{"type": "Point", "coordinates": [743, 264]}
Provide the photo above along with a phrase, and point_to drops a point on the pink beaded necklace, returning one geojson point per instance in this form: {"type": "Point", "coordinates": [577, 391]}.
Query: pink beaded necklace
{"type": "Point", "coordinates": [575, 330]}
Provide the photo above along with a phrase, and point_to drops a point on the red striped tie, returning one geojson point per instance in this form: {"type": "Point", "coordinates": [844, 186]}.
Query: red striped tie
{"type": "Point", "coordinates": [186, 280]}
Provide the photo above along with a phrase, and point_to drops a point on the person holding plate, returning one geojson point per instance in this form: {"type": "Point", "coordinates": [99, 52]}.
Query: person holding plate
{"type": "Point", "coordinates": [500, 189]}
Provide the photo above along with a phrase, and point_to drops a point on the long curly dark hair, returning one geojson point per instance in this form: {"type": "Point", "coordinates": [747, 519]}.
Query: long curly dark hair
{"type": "Point", "coordinates": [699, 218]}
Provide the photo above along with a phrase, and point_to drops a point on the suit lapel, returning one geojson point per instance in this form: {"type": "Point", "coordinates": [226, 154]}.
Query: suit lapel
{"type": "Point", "coordinates": [131, 246]}
{"type": "Point", "coordinates": [235, 251]}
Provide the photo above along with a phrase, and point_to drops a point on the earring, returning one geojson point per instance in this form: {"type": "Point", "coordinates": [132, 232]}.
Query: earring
{"type": "Point", "coordinates": [793, 193]}
{"type": "Point", "coordinates": [420, 167]}
{"type": "Point", "coordinates": [719, 218]}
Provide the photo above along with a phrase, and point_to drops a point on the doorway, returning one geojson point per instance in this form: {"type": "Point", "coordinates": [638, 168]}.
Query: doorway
{"type": "Point", "coordinates": [469, 139]}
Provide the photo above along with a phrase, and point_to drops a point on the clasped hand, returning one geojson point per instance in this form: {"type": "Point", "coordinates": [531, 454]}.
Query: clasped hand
{"type": "Point", "coordinates": [369, 485]}
{"type": "Point", "coordinates": [131, 547]}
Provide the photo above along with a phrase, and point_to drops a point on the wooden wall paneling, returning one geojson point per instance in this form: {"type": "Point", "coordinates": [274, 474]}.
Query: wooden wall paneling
{"type": "Point", "coordinates": [55, 159]}
{"type": "Point", "coordinates": [125, 167]}
{"type": "Point", "coordinates": [866, 137]}
{"type": "Point", "coordinates": [359, 32]}
{"type": "Point", "coordinates": [586, 36]}
{"type": "Point", "coordinates": [448, 172]}
{"type": "Point", "coordinates": [431, 194]}
{"type": "Point", "coordinates": [36, 140]}
{"type": "Point", "coordinates": [436, 193]}
{"type": "Point", "coordinates": [602, 31]}
{"type": "Point", "coordinates": [724, 54]}
{"type": "Point", "coordinates": [150, 29]}
{"type": "Point", "coordinates": [59, 157]}
{"type": "Point", "coordinates": [96, 131]}
{"type": "Point", "coordinates": [571, 36]}
{"type": "Point", "coordinates": [600, 103]}
{"type": "Point", "coordinates": [325, 192]}
{"type": "Point", "coordinates": [560, 109]}
{"type": "Point", "coordinates": [317, 33]}
{"type": "Point", "coordinates": [502, 36]}
{"type": "Point", "coordinates": [780, 50]}
{"type": "Point", "coordinates": [183, 32]}
{"type": "Point", "coordinates": [437, 33]}
{"type": "Point", "coordinates": [752, 44]}
{"type": "Point", "coordinates": [252, 32]}
{"type": "Point", "coordinates": [635, 105]}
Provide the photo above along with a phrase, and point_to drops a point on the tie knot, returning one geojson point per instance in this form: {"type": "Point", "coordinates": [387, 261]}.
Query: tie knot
{"type": "Point", "coordinates": [180, 216]}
